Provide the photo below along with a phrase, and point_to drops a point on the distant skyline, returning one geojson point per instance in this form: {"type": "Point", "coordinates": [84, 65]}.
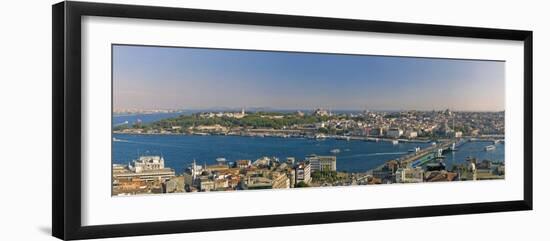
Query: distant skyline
{"type": "Point", "coordinates": [146, 77]}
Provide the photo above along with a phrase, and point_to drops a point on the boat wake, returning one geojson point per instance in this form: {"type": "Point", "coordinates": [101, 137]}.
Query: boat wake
{"type": "Point", "coordinates": [119, 140]}
{"type": "Point", "coordinates": [181, 146]}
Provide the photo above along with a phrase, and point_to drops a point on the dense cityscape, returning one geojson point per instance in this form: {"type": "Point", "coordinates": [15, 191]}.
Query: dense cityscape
{"type": "Point", "coordinates": [206, 119]}
{"type": "Point", "coordinates": [441, 133]}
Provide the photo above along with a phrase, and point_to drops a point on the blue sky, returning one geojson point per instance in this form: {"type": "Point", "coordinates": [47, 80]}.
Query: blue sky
{"type": "Point", "coordinates": [146, 77]}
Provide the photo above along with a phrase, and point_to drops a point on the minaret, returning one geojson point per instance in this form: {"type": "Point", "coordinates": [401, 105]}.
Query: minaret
{"type": "Point", "coordinates": [474, 170]}
{"type": "Point", "coordinates": [194, 170]}
{"type": "Point", "coordinates": [454, 130]}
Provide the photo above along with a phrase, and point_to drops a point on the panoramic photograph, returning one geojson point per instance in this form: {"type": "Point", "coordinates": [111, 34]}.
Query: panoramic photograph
{"type": "Point", "coordinates": [202, 120]}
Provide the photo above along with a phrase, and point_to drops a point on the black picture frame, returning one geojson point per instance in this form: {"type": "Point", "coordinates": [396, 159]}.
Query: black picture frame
{"type": "Point", "coordinates": [66, 75]}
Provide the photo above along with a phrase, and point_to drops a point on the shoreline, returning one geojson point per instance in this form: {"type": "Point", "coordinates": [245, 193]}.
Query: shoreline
{"type": "Point", "coordinates": [335, 137]}
{"type": "Point", "coordinates": [489, 138]}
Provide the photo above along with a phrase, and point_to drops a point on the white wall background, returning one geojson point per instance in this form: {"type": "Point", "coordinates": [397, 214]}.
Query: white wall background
{"type": "Point", "coordinates": [25, 118]}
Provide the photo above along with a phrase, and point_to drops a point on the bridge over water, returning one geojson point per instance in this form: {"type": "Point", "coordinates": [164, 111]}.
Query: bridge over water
{"type": "Point", "coordinates": [430, 153]}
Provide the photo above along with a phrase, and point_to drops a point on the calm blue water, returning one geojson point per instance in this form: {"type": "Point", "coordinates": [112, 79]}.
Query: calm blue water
{"type": "Point", "coordinates": [355, 156]}
{"type": "Point", "coordinates": [475, 149]}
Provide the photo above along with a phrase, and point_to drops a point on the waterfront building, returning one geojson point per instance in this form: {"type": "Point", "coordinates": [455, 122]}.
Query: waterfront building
{"type": "Point", "coordinates": [322, 163]}
{"type": "Point", "coordinates": [303, 173]}
{"type": "Point", "coordinates": [410, 134]}
{"type": "Point", "coordinates": [243, 164]}
{"type": "Point", "coordinates": [211, 128]}
{"type": "Point", "coordinates": [394, 133]}
{"type": "Point", "coordinates": [409, 175]}
{"type": "Point", "coordinates": [376, 132]}
{"type": "Point", "coordinates": [145, 163]}
{"type": "Point", "coordinates": [146, 168]}
{"type": "Point", "coordinates": [263, 161]}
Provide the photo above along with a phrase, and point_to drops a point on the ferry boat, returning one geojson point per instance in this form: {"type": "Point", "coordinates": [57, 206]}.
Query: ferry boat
{"type": "Point", "coordinates": [221, 160]}
{"type": "Point", "coordinates": [490, 148]}
{"type": "Point", "coordinates": [201, 134]}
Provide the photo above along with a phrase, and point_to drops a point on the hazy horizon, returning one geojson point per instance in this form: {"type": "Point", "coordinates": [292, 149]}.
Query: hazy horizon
{"type": "Point", "coordinates": [255, 109]}
{"type": "Point", "coordinates": [149, 78]}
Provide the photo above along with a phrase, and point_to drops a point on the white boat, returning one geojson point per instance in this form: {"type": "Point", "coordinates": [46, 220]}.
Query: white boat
{"type": "Point", "coordinates": [335, 151]}
{"type": "Point", "coordinates": [201, 134]}
{"type": "Point", "coordinates": [395, 142]}
{"type": "Point", "coordinates": [320, 136]}
{"type": "Point", "coordinates": [490, 148]}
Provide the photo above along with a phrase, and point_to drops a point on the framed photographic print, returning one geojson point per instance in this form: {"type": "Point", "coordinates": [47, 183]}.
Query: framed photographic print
{"type": "Point", "coordinates": [170, 120]}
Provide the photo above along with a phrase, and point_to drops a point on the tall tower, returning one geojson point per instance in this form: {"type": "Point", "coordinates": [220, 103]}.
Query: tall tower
{"type": "Point", "coordinates": [194, 170]}
{"type": "Point", "coordinates": [474, 170]}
